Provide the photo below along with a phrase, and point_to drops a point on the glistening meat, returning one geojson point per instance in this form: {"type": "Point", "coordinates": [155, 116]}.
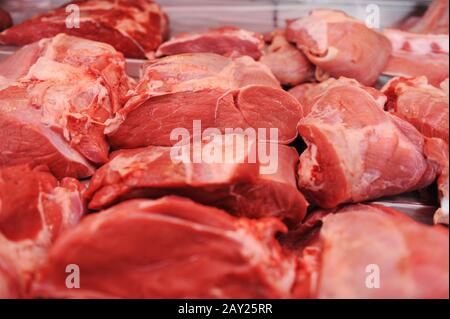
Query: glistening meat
{"type": "Point", "coordinates": [227, 41]}
{"type": "Point", "coordinates": [421, 104]}
{"type": "Point", "coordinates": [201, 252]}
{"type": "Point", "coordinates": [369, 251]}
{"type": "Point", "coordinates": [228, 97]}
{"type": "Point", "coordinates": [357, 151]}
{"type": "Point", "coordinates": [289, 65]}
{"type": "Point", "coordinates": [35, 209]}
{"type": "Point", "coordinates": [340, 45]}
{"type": "Point", "coordinates": [242, 185]}
{"type": "Point", "coordinates": [55, 96]}
{"type": "Point", "coordinates": [134, 27]}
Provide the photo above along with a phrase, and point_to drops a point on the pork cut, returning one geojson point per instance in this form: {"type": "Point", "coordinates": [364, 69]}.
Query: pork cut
{"type": "Point", "coordinates": [35, 209]}
{"type": "Point", "coordinates": [5, 19]}
{"type": "Point", "coordinates": [437, 151]}
{"type": "Point", "coordinates": [357, 151]}
{"type": "Point", "coordinates": [416, 55]}
{"type": "Point", "coordinates": [289, 65]}
{"type": "Point", "coordinates": [421, 104]}
{"type": "Point", "coordinates": [55, 96]}
{"type": "Point", "coordinates": [371, 251]}
{"type": "Point", "coordinates": [227, 41]}
{"type": "Point", "coordinates": [244, 184]}
{"type": "Point", "coordinates": [169, 248]}
{"type": "Point", "coordinates": [309, 93]}
{"type": "Point", "coordinates": [239, 94]}
{"type": "Point", "coordinates": [340, 45]}
{"type": "Point", "coordinates": [134, 27]}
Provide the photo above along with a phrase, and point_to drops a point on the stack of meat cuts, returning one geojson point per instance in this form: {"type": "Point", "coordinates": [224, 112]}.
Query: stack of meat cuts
{"type": "Point", "coordinates": [55, 96]}
{"type": "Point", "coordinates": [237, 165]}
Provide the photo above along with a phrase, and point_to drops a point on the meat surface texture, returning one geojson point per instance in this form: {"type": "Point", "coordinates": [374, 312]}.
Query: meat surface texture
{"type": "Point", "coordinates": [55, 96]}
{"type": "Point", "coordinates": [309, 93]}
{"type": "Point", "coordinates": [134, 27]}
{"type": "Point", "coordinates": [340, 45]}
{"type": "Point", "coordinates": [227, 41]}
{"type": "Point", "coordinates": [421, 104]}
{"type": "Point", "coordinates": [437, 151]}
{"type": "Point", "coordinates": [202, 252]}
{"type": "Point", "coordinates": [241, 185]}
{"type": "Point", "coordinates": [357, 151]}
{"type": "Point", "coordinates": [5, 20]}
{"type": "Point", "coordinates": [369, 251]}
{"type": "Point", "coordinates": [35, 209]}
{"type": "Point", "coordinates": [416, 55]}
{"type": "Point", "coordinates": [238, 94]}
{"type": "Point", "coordinates": [289, 65]}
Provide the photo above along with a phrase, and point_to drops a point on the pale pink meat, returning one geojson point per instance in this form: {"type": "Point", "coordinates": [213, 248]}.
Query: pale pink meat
{"type": "Point", "coordinates": [421, 104]}
{"type": "Point", "coordinates": [435, 19]}
{"type": "Point", "coordinates": [289, 65]}
{"type": "Point", "coordinates": [416, 55]}
{"type": "Point", "coordinates": [353, 249]}
{"type": "Point", "coordinates": [340, 45]}
{"type": "Point", "coordinates": [357, 151]}
{"type": "Point", "coordinates": [309, 93]}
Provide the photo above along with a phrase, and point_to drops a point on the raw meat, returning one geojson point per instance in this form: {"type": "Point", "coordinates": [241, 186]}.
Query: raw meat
{"type": "Point", "coordinates": [198, 252]}
{"type": "Point", "coordinates": [5, 20]}
{"type": "Point", "coordinates": [303, 93]}
{"type": "Point", "coordinates": [418, 55]}
{"type": "Point", "coordinates": [348, 248]}
{"type": "Point", "coordinates": [340, 45]}
{"type": "Point", "coordinates": [227, 41]}
{"type": "Point", "coordinates": [134, 27]}
{"type": "Point", "coordinates": [35, 209]}
{"type": "Point", "coordinates": [437, 151]}
{"type": "Point", "coordinates": [357, 152]}
{"type": "Point", "coordinates": [56, 95]}
{"type": "Point", "coordinates": [197, 71]}
{"type": "Point", "coordinates": [242, 185]}
{"type": "Point", "coordinates": [289, 65]}
{"type": "Point", "coordinates": [238, 94]}
{"type": "Point", "coordinates": [435, 19]}
{"type": "Point", "coordinates": [309, 93]}
{"type": "Point", "coordinates": [423, 105]}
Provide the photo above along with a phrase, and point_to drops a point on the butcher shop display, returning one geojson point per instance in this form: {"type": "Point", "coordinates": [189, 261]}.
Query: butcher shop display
{"type": "Point", "coordinates": [154, 149]}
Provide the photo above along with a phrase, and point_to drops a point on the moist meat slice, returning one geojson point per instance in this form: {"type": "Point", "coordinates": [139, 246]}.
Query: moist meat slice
{"type": "Point", "coordinates": [169, 248]}
{"type": "Point", "coordinates": [134, 27]}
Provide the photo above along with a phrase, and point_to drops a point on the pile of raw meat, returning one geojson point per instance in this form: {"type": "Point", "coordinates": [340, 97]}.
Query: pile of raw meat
{"type": "Point", "coordinates": [99, 198]}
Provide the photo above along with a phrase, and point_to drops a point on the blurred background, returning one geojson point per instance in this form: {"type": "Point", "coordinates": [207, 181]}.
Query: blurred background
{"type": "Point", "coordinates": [256, 15]}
